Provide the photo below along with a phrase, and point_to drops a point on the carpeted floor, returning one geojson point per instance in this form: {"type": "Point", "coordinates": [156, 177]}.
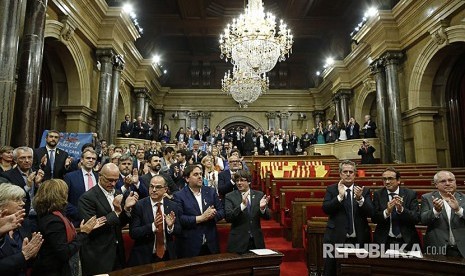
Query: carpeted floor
{"type": "Point", "coordinates": [294, 258]}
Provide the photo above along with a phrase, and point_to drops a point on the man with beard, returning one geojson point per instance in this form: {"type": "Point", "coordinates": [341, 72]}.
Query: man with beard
{"type": "Point", "coordinates": [155, 167]}
{"type": "Point", "coordinates": [79, 182]}
{"type": "Point", "coordinates": [104, 250]}
{"type": "Point", "coordinates": [201, 209]}
{"type": "Point", "coordinates": [177, 169]}
{"type": "Point", "coordinates": [127, 181]}
{"type": "Point", "coordinates": [53, 161]}
{"type": "Point", "coordinates": [226, 183]}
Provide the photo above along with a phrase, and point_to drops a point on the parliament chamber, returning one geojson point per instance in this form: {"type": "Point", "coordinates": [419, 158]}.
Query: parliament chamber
{"type": "Point", "coordinates": [389, 74]}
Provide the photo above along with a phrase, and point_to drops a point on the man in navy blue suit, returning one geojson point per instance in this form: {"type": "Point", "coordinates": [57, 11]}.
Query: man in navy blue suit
{"type": "Point", "coordinates": [225, 181]}
{"type": "Point", "coordinates": [153, 217]}
{"type": "Point", "coordinates": [79, 182]}
{"type": "Point", "coordinates": [130, 182]}
{"type": "Point", "coordinates": [200, 210]}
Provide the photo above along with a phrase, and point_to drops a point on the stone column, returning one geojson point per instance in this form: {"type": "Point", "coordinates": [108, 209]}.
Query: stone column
{"type": "Point", "coordinates": [10, 15]}
{"type": "Point", "coordinates": [344, 96]}
{"type": "Point", "coordinates": [193, 116]}
{"type": "Point", "coordinates": [140, 101]}
{"type": "Point", "coordinates": [284, 120]}
{"type": "Point", "coordinates": [118, 66]}
{"type": "Point", "coordinates": [271, 120]}
{"type": "Point", "coordinates": [318, 115]}
{"type": "Point", "coordinates": [377, 69]}
{"type": "Point", "coordinates": [394, 109]}
{"type": "Point", "coordinates": [147, 111]}
{"type": "Point", "coordinates": [337, 107]}
{"type": "Point", "coordinates": [30, 66]}
{"type": "Point", "coordinates": [105, 57]}
{"type": "Point", "coordinates": [206, 115]}
{"type": "Point", "coordinates": [158, 121]}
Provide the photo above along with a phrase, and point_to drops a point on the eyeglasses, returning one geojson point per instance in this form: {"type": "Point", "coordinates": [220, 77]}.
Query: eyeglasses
{"type": "Point", "coordinates": [385, 179]}
{"type": "Point", "coordinates": [157, 187]}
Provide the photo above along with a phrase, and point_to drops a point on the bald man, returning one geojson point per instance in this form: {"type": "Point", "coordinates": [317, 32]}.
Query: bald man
{"type": "Point", "coordinates": [104, 251]}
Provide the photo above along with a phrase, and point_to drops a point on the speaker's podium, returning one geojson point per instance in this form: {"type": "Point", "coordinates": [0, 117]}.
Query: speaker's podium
{"type": "Point", "coordinates": [217, 264]}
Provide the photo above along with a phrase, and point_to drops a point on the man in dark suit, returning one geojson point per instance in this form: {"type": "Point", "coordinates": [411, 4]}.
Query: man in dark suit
{"type": "Point", "coordinates": [177, 169]}
{"type": "Point", "coordinates": [196, 153]}
{"type": "Point", "coordinates": [261, 143]}
{"type": "Point", "coordinates": [293, 142]}
{"type": "Point", "coordinates": [79, 182]}
{"type": "Point", "coordinates": [104, 250]}
{"type": "Point", "coordinates": [154, 217]}
{"type": "Point", "coordinates": [155, 169]}
{"type": "Point", "coordinates": [140, 128]}
{"type": "Point", "coordinates": [243, 209]}
{"type": "Point", "coordinates": [396, 212]}
{"type": "Point", "coordinates": [129, 178]}
{"type": "Point", "coordinates": [226, 183]}
{"type": "Point", "coordinates": [442, 213]}
{"type": "Point", "coordinates": [353, 129]}
{"type": "Point", "coordinates": [126, 127]}
{"type": "Point", "coordinates": [53, 161]}
{"type": "Point", "coordinates": [200, 210]}
{"type": "Point", "coordinates": [348, 206]}
{"type": "Point", "coordinates": [24, 177]}
{"type": "Point", "coordinates": [248, 142]}
{"type": "Point", "coordinates": [369, 128]}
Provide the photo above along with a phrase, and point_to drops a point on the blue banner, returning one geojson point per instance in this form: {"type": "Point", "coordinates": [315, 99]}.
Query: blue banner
{"type": "Point", "coordinates": [70, 142]}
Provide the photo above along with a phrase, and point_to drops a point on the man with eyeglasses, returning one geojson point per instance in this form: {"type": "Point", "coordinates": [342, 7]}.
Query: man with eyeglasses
{"type": "Point", "coordinates": [348, 206]}
{"type": "Point", "coordinates": [396, 212]}
{"type": "Point", "coordinates": [201, 209]}
{"type": "Point", "coordinates": [155, 222]}
{"type": "Point", "coordinates": [54, 161]}
{"type": "Point", "coordinates": [442, 213]}
{"type": "Point", "coordinates": [79, 182]}
{"type": "Point", "coordinates": [104, 250]}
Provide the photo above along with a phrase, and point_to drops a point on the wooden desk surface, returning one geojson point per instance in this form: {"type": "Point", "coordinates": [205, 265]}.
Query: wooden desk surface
{"type": "Point", "coordinates": [429, 265]}
{"type": "Point", "coordinates": [218, 264]}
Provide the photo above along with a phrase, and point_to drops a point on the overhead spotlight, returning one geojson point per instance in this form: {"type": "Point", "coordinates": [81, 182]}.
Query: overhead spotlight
{"type": "Point", "coordinates": [318, 73]}
{"type": "Point", "coordinates": [330, 61]}
{"type": "Point", "coordinates": [165, 71]}
{"type": "Point", "coordinates": [156, 59]}
{"type": "Point", "coordinates": [372, 11]}
{"type": "Point", "coordinates": [128, 8]}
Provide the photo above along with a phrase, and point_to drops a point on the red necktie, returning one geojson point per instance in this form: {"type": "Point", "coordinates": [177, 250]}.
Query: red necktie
{"type": "Point", "coordinates": [159, 233]}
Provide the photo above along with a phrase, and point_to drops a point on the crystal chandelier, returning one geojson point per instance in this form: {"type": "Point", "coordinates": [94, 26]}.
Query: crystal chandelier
{"type": "Point", "coordinates": [251, 40]}
{"type": "Point", "coordinates": [244, 86]}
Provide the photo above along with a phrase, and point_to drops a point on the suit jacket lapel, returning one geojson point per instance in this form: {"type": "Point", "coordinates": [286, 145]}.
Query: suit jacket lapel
{"type": "Point", "coordinates": [455, 217]}
{"type": "Point", "coordinates": [204, 196]}
{"type": "Point", "coordinates": [147, 205]}
{"type": "Point", "coordinates": [254, 201]}
{"type": "Point", "coordinates": [193, 200]}
{"type": "Point", "coordinates": [102, 198]}
{"type": "Point", "coordinates": [167, 206]}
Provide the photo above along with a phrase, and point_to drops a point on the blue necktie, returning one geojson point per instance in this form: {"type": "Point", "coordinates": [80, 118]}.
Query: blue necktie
{"type": "Point", "coordinates": [52, 161]}
{"type": "Point", "coordinates": [395, 219]}
{"type": "Point", "coordinates": [348, 207]}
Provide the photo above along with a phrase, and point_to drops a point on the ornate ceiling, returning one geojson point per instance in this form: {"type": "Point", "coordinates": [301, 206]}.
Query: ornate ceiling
{"type": "Point", "coordinates": [185, 34]}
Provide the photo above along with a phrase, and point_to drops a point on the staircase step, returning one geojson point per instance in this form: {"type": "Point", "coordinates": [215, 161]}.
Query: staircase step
{"type": "Point", "coordinates": [285, 247]}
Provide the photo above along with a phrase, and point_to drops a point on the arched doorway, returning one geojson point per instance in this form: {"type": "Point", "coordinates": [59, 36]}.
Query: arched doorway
{"type": "Point", "coordinates": [455, 103]}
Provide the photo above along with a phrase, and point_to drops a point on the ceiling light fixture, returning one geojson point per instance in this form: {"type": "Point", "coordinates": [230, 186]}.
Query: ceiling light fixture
{"type": "Point", "coordinates": [244, 87]}
{"type": "Point", "coordinates": [251, 41]}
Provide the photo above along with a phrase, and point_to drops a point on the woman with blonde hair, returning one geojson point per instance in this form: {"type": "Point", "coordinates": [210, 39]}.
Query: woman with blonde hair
{"type": "Point", "coordinates": [59, 254]}
{"type": "Point", "coordinates": [210, 174]}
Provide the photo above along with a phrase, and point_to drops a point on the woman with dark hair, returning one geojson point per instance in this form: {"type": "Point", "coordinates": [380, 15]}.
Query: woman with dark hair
{"type": "Point", "coordinates": [165, 134]}
{"type": "Point", "coordinates": [6, 158]}
{"type": "Point", "coordinates": [59, 254]}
